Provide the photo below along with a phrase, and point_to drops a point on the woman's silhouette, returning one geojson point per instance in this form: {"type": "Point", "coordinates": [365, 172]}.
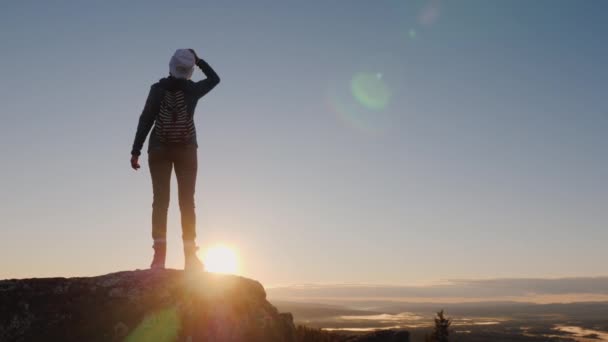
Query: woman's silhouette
{"type": "Point", "coordinates": [170, 108]}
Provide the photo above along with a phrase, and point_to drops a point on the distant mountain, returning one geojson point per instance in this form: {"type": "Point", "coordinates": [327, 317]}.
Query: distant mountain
{"type": "Point", "coordinates": [315, 311]}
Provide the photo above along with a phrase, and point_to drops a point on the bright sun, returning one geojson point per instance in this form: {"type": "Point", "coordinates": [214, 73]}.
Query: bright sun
{"type": "Point", "coordinates": [220, 259]}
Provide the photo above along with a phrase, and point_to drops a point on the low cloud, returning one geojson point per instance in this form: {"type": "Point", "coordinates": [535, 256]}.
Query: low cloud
{"type": "Point", "coordinates": [520, 289]}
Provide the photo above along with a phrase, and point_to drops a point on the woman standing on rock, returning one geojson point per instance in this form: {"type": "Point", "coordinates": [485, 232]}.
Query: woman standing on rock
{"type": "Point", "coordinates": [170, 108]}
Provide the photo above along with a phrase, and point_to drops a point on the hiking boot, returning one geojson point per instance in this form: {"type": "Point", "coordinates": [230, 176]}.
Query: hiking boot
{"type": "Point", "coordinates": [191, 260]}
{"type": "Point", "coordinates": [160, 253]}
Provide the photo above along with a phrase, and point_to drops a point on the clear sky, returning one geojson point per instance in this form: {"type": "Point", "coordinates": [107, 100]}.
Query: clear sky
{"type": "Point", "coordinates": [393, 142]}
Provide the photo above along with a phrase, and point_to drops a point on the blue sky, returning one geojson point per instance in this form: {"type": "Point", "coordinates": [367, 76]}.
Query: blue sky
{"type": "Point", "coordinates": [486, 160]}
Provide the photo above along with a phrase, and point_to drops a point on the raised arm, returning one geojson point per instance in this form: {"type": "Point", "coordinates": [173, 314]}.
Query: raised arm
{"type": "Point", "coordinates": [146, 120]}
{"type": "Point", "coordinates": [204, 86]}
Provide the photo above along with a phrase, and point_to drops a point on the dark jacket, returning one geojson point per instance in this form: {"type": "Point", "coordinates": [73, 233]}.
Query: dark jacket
{"type": "Point", "coordinates": [193, 91]}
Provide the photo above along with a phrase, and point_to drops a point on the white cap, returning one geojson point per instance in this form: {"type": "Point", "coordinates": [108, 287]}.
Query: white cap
{"type": "Point", "coordinates": [182, 64]}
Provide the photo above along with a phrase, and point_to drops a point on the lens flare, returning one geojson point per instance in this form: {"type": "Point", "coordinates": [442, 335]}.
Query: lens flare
{"type": "Point", "coordinates": [163, 325]}
{"type": "Point", "coordinates": [412, 33]}
{"type": "Point", "coordinates": [370, 90]}
{"type": "Point", "coordinates": [429, 14]}
{"type": "Point", "coordinates": [344, 104]}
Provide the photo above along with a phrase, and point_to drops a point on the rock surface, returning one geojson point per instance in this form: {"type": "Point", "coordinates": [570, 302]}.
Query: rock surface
{"type": "Point", "coordinates": [148, 305]}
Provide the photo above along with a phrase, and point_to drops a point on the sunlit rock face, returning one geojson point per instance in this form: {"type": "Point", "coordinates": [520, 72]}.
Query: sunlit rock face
{"type": "Point", "coordinates": [142, 306]}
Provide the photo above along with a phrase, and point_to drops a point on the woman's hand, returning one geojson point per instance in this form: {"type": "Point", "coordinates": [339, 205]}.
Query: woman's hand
{"type": "Point", "coordinates": [195, 55]}
{"type": "Point", "coordinates": [135, 162]}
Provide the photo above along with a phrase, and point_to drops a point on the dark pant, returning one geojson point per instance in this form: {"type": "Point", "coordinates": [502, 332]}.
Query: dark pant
{"type": "Point", "coordinates": [161, 162]}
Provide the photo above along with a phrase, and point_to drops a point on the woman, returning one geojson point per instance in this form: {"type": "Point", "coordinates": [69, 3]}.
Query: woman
{"type": "Point", "coordinates": [170, 108]}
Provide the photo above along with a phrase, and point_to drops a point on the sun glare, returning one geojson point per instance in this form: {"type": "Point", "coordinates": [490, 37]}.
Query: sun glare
{"type": "Point", "coordinates": [221, 259]}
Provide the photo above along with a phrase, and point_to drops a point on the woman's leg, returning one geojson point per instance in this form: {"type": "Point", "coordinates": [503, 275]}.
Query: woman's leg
{"type": "Point", "coordinates": [186, 166]}
{"type": "Point", "coordinates": [160, 169]}
{"type": "Point", "coordinates": [185, 170]}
